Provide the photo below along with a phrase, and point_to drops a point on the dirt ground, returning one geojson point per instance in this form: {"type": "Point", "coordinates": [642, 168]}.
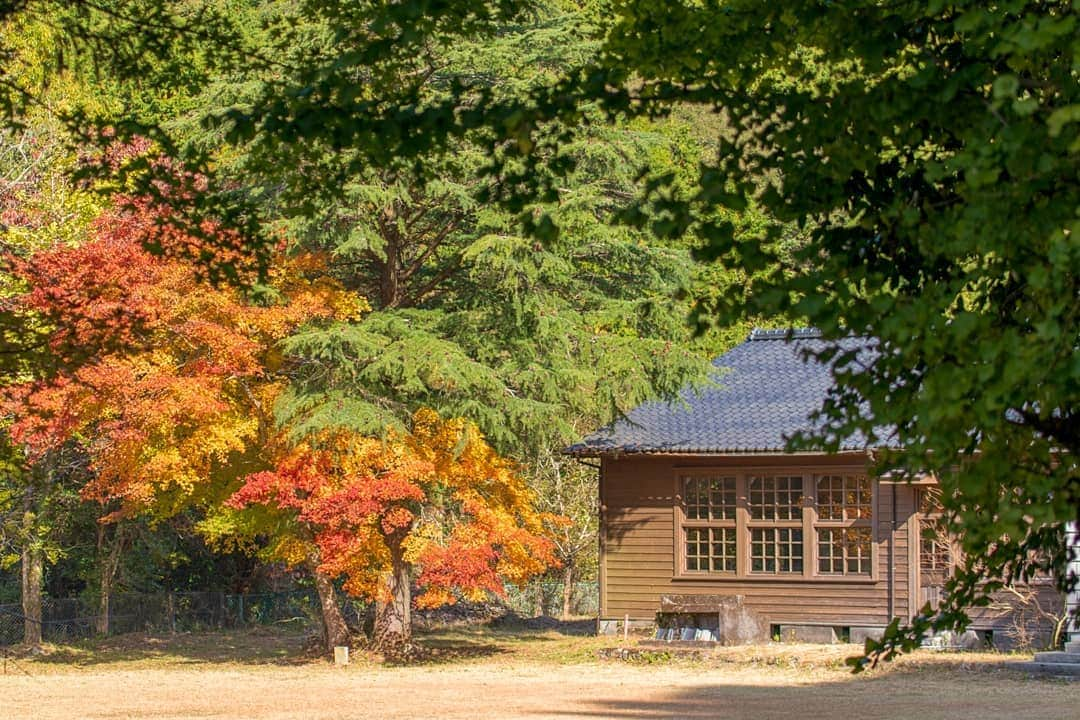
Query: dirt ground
{"type": "Point", "coordinates": [507, 673]}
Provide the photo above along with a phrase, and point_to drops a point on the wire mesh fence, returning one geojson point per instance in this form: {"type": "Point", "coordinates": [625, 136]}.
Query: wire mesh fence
{"type": "Point", "coordinates": [66, 620]}
{"type": "Point", "coordinates": [546, 598]}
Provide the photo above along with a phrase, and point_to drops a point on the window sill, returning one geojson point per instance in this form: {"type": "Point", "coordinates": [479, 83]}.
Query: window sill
{"type": "Point", "coordinates": [796, 579]}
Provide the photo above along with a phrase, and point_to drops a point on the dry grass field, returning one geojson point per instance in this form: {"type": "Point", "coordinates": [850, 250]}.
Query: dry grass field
{"type": "Point", "coordinates": [481, 672]}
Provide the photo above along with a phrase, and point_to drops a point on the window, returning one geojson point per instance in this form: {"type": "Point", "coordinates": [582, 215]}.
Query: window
{"type": "Point", "coordinates": [776, 498]}
{"type": "Point", "coordinates": [709, 506]}
{"type": "Point", "coordinates": [710, 549]}
{"type": "Point", "coordinates": [844, 528]}
{"type": "Point", "coordinates": [935, 550]}
{"type": "Point", "coordinates": [935, 545]}
{"type": "Point", "coordinates": [776, 550]}
{"type": "Point", "coordinates": [844, 497]}
{"type": "Point", "coordinates": [709, 498]}
{"type": "Point", "coordinates": [844, 551]}
{"type": "Point", "coordinates": [776, 534]}
{"type": "Point", "coordinates": [778, 524]}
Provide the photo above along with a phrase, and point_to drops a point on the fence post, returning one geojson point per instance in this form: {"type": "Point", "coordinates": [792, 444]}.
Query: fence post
{"type": "Point", "coordinates": [171, 602]}
{"type": "Point", "coordinates": [240, 602]}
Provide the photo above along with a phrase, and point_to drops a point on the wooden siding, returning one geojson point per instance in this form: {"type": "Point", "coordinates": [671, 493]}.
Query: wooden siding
{"type": "Point", "coordinates": [638, 561]}
{"type": "Point", "coordinates": [1009, 617]}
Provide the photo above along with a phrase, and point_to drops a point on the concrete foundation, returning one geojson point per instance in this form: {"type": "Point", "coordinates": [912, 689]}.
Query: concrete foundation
{"type": "Point", "coordinates": [817, 634]}
{"type": "Point", "coordinates": [727, 618]}
{"type": "Point", "coordinates": [948, 640]}
{"type": "Point", "coordinates": [859, 635]}
{"type": "Point", "coordinates": [615, 626]}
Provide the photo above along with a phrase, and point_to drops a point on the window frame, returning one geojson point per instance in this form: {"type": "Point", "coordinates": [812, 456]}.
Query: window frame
{"type": "Point", "coordinates": [796, 523]}
{"type": "Point", "coordinates": [808, 522]}
{"type": "Point", "coordinates": [843, 522]}
{"type": "Point", "coordinates": [708, 523]}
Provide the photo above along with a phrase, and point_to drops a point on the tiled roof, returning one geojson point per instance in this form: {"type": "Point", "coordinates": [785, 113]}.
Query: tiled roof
{"type": "Point", "coordinates": [764, 392]}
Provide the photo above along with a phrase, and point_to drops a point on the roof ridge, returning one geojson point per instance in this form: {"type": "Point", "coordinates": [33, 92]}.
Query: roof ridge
{"type": "Point", "coordinates": [784, 333]}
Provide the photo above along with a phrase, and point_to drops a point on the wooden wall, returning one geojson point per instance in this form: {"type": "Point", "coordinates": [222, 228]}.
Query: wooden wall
{"type": "Point", "coordinates": [638, 561]}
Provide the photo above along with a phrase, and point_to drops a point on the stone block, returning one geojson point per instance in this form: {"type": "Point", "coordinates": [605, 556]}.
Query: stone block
{"type": "Point", "coordinates": [817, 634]}
{"type": "Point", "coordinates": [725, 616]}
{"type": "Point", "coordinates": [741, 626]}
{"type": "Point", "coordinates": [859, 635]}
{"type": "Point", "coordinates": [686, 604]}
{"type": "Point", "coordinates": [341, 654]}
{"type": "Point", "coordinates": [969, 640]}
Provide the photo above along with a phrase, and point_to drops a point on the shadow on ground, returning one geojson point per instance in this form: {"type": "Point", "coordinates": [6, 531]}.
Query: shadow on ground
{"type": "Point", "coordinates": [255, 646]}
{"type": "Point", "coordinates": [579, 627]}
{"type": "Point", "coordinates": [293, 646]}
{"type": "Point", "coordinates": [944, 689]}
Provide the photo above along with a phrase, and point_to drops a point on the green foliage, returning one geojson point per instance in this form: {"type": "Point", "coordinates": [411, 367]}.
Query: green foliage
{"type": "Point", "coordinates": [11, 479]}
{"type": "Point", "coordinates": [471, 317]}
{"type": "Point", "coordinates": [40, 507]}
{"type": "Point", "coordinates": [929, 152]}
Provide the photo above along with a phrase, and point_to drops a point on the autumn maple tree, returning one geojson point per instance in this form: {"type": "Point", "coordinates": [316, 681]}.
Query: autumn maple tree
{"type": "Point", "coordinates": [167, 383]}
{"type": "Point", "coordinates": [433, 506]}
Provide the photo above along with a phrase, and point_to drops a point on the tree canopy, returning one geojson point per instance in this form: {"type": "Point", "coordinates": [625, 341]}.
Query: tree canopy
{"type": "Point", "coordinates": [434, 506]}
{"type": "Point", "coordinates": [905, 171]}
{"type": "Point", "coordinates": [167, 389]}
{"type": "Point", "coordinates": [929, 152]}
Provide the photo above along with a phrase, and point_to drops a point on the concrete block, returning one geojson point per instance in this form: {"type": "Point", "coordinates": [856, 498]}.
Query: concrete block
{"type": "Point", "coordinates": [613, 626]}
{"type": "Point", "coordinates": [819, 634]}
{"type": "Point", "coordinates": [859, 635]}
{"type": "Point", "coordinates": [341, 655]}
{"type": "Point", "coordinates": [682, 604]}
{"type": "Point", "coordinates": [726, 616]}
{"type": "Point", "coordinates": [741, 626]}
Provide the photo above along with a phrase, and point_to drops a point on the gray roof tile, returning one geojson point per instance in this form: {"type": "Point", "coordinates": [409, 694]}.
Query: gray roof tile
{"type": "Point", "coordinates": [764, 393]}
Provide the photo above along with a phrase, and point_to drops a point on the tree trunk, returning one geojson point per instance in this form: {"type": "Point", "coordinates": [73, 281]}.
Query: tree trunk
{"type": "Point", "coordinates": [335, 631]}
{"type": "Point", "coordinates": [389, 273]}
{"type": "Point", "coordinates": [393, 617]}
{"type": "Point", "coordinates": [567, 589]}
{"type": "Point", "coordinates": [33, 571]}
{"type": "Point", "coordinates": [33, 564]}
{"type": "Point", "coordinates": [103, 603]}
{"type": "Point", "coordinates": [110, 565]}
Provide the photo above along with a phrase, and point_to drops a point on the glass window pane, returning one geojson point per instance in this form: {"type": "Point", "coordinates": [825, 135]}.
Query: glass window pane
{"type": "Point", "coordinates": [844, 551]}
{"type": "Point", "coordinates": [844, 497]}
{"type": "Point", "coordinates": [775, 498]}
{"type": "Point", "coordinates": [709, 498]}
{"type": "Point", "coordinates": [935, 551]}
{"type": "Point", "coordinates": [710, 549]}
{"type": "Point", "coordinates": [776, 550]}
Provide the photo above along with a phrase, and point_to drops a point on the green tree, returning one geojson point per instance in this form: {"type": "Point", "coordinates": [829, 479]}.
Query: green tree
{"type": "Point", "coordinates": [470, 316]}
{"type": "Point", "coordinates": [929, 152]}
{"type": "Point", "coordinates": [368, 130]}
